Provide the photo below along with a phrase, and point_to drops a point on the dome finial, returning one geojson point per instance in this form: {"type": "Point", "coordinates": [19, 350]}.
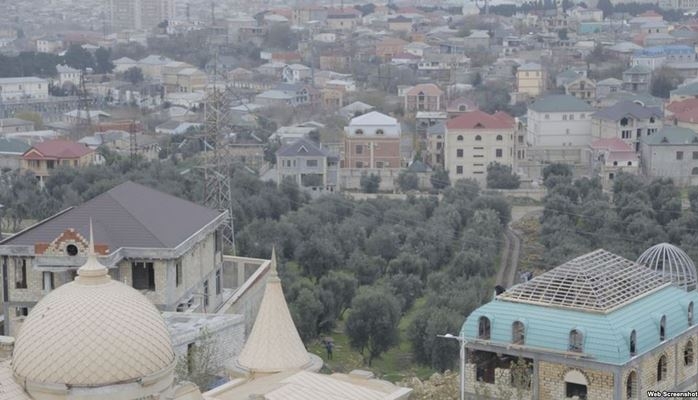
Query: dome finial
{"type": "Point", "coordinates": [92, 272]}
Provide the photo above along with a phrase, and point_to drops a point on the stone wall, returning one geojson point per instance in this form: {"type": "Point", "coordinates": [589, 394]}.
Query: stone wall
{"type": "Point", "coordinates": [551, 381]}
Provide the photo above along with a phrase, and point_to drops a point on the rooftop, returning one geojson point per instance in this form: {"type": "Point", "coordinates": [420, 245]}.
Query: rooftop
{"type": "Point", "coordinates": [57, 149]}
{"type": "Point", "coordinates": [672, 135]}
{"type": "Point", "coordinates": [301, 147]}
{"type": "Point", "coordinates": [478, 119]}
{"type": "Point", "coordinates": [598, 281]}
{"type": "Point", "coordinates": [560, 103]}
{"type": "Point", "coordinates": [627, 108]}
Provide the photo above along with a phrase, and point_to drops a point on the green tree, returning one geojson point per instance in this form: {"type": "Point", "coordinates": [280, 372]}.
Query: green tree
{"type": "Point", "coordinates": [439, 179]}
{"type": "Point", "coordinates": [367, 269]}
{"type": "Point", "coordinates": [370, 183]}
{"type": "Point", "coordinates": [77, 57]}
{"type": "Point", "coordinates": [557, 169]}
{"type": "Point", "coordinates": [198, 364]}
{"type": "Point", "coordinates": [318, 255]}
{"type": "Point", "coordinates": [134, 75]}
{"type": "Point", "coordinates": [306, 311]}
{"type": "Point", "coordinates": [103, 64]}
{"type": "Point", "coordinates": [606, 6]}
{"type": "Point", "coordinates": [664, 80]}
{"type": "Point", "coordinates": [500, 176]}
{"type": "Point", "coordinates": [428, 348]}
{"type": "Point", "coordinates": [343, 286]}
{"type": "Point", "coordinates": [372, 323]}
{"type": "Point", "coordinates": [407, 181]}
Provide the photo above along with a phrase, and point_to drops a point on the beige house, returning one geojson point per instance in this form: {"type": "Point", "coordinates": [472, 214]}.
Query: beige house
{"type": "Point", "coordinates": [175, 262]}
{"type": "Point", "coordinates": [530, 79]}
{"type": "Point", "coordinates": [582, 88]}
{"type": "Point", "coordinates": [475, 139]}
{"type": "Point", "coordinates": [43, 157]}
{"type": "Point", "coordinates": [182, 77]}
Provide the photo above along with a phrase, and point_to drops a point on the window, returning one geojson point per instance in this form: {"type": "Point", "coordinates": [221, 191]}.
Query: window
{"type": "Point", "coordinates": [651, 120]}
{"type": "Point", "coordinates": [461, 107]}
{"type": "Point", "coordinates": [21, 274]}
{"type": "Point", "coordinates": [625, 134]}
{"type": "Point", "coordinates": [47, 278]}
{"type": "Point", "coordinates": [688, 354]}
{"type": "Point", "coordinates": [576, 342]}
{"type": "Point", "coordinates": [633, 342]}
{"type": "Point", "coordinates": [21, 311]}
{"type": "Point", "coordinates": [690, 314]}
{"type": "Point", "coordinates": [547, 116]}
{"type": "Point", "coordinates": [359, 132]}
{"type": "Point", "coordinates": [218, 282]}
{"type": "Point", "coordinates": [217, 242]}
{"type": "Point", "coordinates": [571, 117]}
{"type": "Point", "coordinates": [518, 333]}
{"type": "Point", "coordinates": [379, 132]}
{"type": "Point", "coordinates": [623, 122]}
{"type": "Point", "coordinates": [143, 275]}
{"type": "Point", "coordinates": [478, 138]}
{"type": "Point", "coordinates": [498, 153]}
{"type": "Point", "coordinates": [459, 138]}
{"type": "Point", "coordinates": [615, 163]}
{"type": "Point", "coordinates": [50, 164]}
{"type": "Point", "coordinates": [499, 138]}
{"type": "Point", "coordinates": [359, 164]}
{"type": "Point", "coordinates": [661, 368]}
{"type": "Point", "coordinates": [662, 328]}
{"type": "Point", "coordinates": [679, 155]}
{"type": "Point", "coordinates": [631, 386]}
{"type": "Point", "coordinates": [695, 155]}
{"type": "Point", "coordinates": [359, 149]}
{"type": "Point", "coordinates": [575, 389]}
{"type": "Point", "coordinates": [206, 293]}
{"type": "Point", "coordinates": [564, 117]}
{"type": "Point", "coordinates": [71, 249]}
{"type": "Point", "coordinates": [459, 170]}
{"type": "Point", "coordinates": [459, 153]}
{"type": "Point", "coordinates": [483, 329]}
{"type": "Point", "coordinates": [582, 116]}
{"type": "Point", "coordinates": [694, 171]}
{"type": "Point", "coordinates": [311, 163]}
{"type": "Point", "coordinates": [630, 163]}
{"type": "Point", "coordinates": [178, 272]}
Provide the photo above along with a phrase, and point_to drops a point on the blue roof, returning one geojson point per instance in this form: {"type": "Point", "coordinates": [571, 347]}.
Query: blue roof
{"type": "Point", "coordinates": [606, 336]}
{"type": "Point", "coordinates": [665, 50]}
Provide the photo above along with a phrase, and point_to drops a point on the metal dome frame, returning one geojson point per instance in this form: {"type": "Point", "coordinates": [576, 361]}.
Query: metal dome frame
{"type": "Point", "coordinates": [672, 263]}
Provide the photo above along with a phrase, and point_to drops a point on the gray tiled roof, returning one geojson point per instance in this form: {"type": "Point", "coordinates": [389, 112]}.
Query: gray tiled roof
{"type": "Point", "coordinates": [672, 135]}
{"type": "Point", "coordinates": [129, 215]}
{"type": "Point", "coordinates": [560, 103]}
{"type": "Point", "coordinates": [625, 108]}
{"type": "Point", "coordinates": [301, 147]}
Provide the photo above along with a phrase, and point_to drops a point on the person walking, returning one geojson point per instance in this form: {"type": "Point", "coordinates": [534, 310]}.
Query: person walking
{"type": "Point", "coordinates": [329, 346]}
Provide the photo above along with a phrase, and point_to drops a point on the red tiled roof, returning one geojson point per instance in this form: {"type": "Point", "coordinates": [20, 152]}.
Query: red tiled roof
{"type": "Point", "coordinates": [56, 149]}
{"type": "Point", "coordinates": [690, 116]}
{"type": "Point", "coordinates": [612, 144]}
{"type": "Point", "coordinates": [428, 89]}
{"type": "Point", "coordinates": [481, 120]}
{"type": "Point", "coordinates": [681, 106]}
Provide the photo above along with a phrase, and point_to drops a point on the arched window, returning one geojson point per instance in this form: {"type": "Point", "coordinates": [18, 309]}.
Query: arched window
{"type": "Point", "coordinates": [688, 354]}
{"type": "Point", "coordinates": [459, 138]}
{"type": "Point", "coordinates": [462, 108]}
{"type": "Point", "coordinates": [518, 333]}
{"type": "Point", "coordinates": [631, 386]}
{"type": "Point", "coordinates": [623, 121]}
{"type": "Point", "coordinates": [483, 329]}
{"type": "Point", "coordinates": [499, 138]}
{"type": "Point", "coordinates": [662, 328]}
{"type": "Point", "coordinates": [615, 163]}
{"type": "Point", "coordinates": [661, 368]}
{"type": "Point", "coordinates": [575, 384]}
{"type": "Point", "coordinates": [576, 341]}
{"type": "Point", "coordinates": [694, 171]}
{"type": "Point", "coordinates": [690, 314]}
{"type": "Point", "coordinates": [630, 163]}
{"type": "Point", "coordinates": [478, 138]}
{"type": "Point", "coordinates": [379, 131]}
{"type": "Point", "coordinates": [359, 132]}
{"type": "Point", "coordinates": [633, 343]}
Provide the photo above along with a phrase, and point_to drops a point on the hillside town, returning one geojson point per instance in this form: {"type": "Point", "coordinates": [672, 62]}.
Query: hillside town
{"type": "Point", "coordinates": [281, 200]}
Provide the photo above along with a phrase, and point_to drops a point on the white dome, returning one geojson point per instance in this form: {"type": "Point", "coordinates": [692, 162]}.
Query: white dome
{"type": "Point", "coordinates": [672, 263]}
{"type": "Point", "coordinates": [93, 332]}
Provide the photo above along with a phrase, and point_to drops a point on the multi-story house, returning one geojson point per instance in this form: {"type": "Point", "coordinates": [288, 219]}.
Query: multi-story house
{"type": "Point", "coordinates": [372, 140]}
{"type": "Point", "coordinates": [181, 77]}
{"type": "Point", "coordinates": [475, 139]}
{"type": "Point", "coordinates": [530, 79]}
{"type": "Point", "coordinates": [43, 157]}
{"type": "Point", "coordinates": [68, 75]}
{"type": "Point", "coordinates": [23, 88]}
{"type": "Point", "coordinates": [175, 262]}
{"type": "Point", "coordinates": [608, 86]}
{"type": "Point", "coordinates": [637, 79]}
{"type": "Point", "coordinates": [671, 153]}
{"type": "Point", "coordinates": [582, 88]}
{"type": "Point", "coordinates": [424, 97]}
{"type": "Point", "coordinates": [627, 121]}
{"type": "Point", "coordinates": [12, 125]}
{"type": "Point", "coordinates": [307, 164]}
{"type": "Point", "coordinates": [388, 47]}
{"type": "Point", "coordinates": [296, 73]}
{"type": "Point", "coordinates": [557, 121]}
{"type": "Point", "coordinates": [609, 157]}
{"type": "Point", "coordinates": [620, 331]}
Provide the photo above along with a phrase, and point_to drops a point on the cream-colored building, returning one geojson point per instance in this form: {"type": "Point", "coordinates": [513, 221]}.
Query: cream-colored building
{"type": "Point", "coordinates": [530, 79]}
{"type": "Point", "coordinates": [475, 139]}
{"type": "Point", "coordinates": [175, 262]}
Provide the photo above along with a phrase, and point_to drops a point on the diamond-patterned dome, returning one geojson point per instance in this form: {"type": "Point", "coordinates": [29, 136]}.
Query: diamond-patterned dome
{"type": "Point", "coordinates": [92, 332]}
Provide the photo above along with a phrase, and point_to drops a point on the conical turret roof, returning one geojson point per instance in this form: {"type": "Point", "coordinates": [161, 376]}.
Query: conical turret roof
{"type": "Point", "coordinates": [274, 344]}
